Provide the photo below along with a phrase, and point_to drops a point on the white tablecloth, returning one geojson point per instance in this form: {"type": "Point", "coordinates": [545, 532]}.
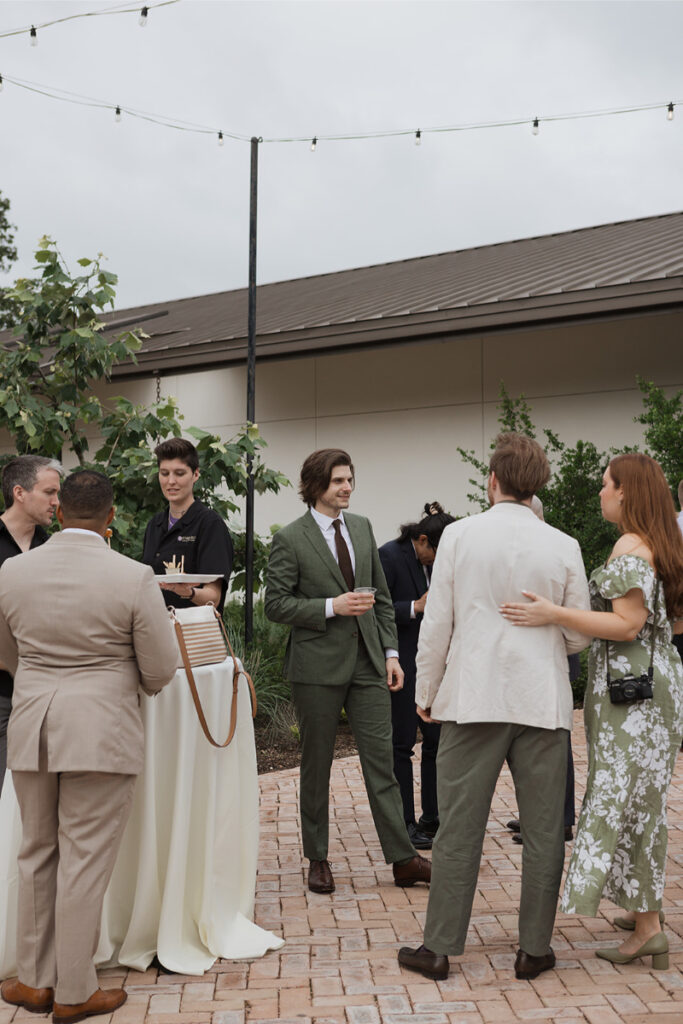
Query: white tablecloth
{"type": "Point", "coordinates": [183, 884]}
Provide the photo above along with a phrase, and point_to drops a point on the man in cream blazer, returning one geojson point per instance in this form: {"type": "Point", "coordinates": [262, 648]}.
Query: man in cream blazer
{"type": "Point", "coordinates": [81, 629]}
{"type": "Point", "coordinates": [500, 693]}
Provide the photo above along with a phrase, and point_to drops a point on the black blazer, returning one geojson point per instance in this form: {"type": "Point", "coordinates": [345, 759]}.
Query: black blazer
{"type": "Point", "coordinates": [407, 582]}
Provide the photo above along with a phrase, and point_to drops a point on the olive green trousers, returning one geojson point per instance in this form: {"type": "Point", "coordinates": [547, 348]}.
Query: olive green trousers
{"type": "Point", "coordinates": [468, 764]}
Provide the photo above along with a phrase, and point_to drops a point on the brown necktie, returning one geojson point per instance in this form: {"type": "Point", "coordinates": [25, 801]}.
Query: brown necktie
{"type": "Point", "coordinates": [343, 556]}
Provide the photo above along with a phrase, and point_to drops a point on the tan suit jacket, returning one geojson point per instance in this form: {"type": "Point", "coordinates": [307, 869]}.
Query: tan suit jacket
{"type": "Point", "coordinates": [81, 629]}
{"type": "Point", "coordinates": [472, 664]}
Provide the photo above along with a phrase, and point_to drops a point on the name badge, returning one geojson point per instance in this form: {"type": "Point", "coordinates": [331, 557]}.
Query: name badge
{"type": "Point", "coordinates": [187, 540]}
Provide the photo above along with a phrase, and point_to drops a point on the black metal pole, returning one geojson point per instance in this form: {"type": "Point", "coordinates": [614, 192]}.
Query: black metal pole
{"type": "Point", "coordinates": [251, 397]}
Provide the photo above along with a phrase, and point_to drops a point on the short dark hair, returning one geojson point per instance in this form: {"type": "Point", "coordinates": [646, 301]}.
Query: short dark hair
{"type": "Point", "coordinates": [316, 472]}
{"type": "Point", "coordinates": [23, 472]}
{"type": "Point", "coordinates": [434, 521]}
{"type": "Point", "coordinates": [178, 448]}
{"type": "Point", "coordinates": [520, 465]}
{"type": "Point", "coordinates": [86, 495]}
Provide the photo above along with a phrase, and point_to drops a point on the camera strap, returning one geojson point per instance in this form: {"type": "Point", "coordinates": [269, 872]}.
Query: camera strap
{"type": "Point", "coordinates": [650, 671]}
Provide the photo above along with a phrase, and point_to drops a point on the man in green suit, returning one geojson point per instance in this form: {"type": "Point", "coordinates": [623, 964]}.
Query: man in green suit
{"type": "Point", "coordinates": [341, 654]}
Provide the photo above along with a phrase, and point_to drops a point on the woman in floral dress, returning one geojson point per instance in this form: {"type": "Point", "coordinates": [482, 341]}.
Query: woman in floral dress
{"type": "Point", "coordinates": [620, 848]}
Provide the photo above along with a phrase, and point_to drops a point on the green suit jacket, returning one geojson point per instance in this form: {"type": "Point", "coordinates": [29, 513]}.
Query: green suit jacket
{"type": "Point", "coordinates": [302, 574]}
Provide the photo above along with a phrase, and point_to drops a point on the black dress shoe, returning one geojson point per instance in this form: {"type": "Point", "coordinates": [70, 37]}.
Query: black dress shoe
{"type": "Point", "coordinates": [529, 967]}
{"type": "Point", "coordinates": [420, 840]}
{"type": "Point", "coordinates": [427, 827]}
{"type": "Point", "coordinates": [568, 836]}
{"type": "Point", "coordinates": [422, 960]}
{"type": "Point", "coordinates": [513, 825]}
{"type": "Point", "coordinates": [419, 869]}
{"type": "Point", "coordinates": [320, 877]}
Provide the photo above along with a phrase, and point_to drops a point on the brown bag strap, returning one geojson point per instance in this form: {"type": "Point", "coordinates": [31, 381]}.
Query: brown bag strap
{"type": "Point", "coordinates": [235, 685]}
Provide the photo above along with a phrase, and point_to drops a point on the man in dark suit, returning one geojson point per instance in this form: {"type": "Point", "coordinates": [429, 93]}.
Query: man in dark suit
{"type": "Point", "coordinates": [341, 654]}
{"type": "Point", "coordinates": [406, 563]}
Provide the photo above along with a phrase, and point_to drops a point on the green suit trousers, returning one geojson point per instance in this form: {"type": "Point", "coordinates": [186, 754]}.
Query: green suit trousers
{"type": "Point", "coordinates": [468, 764]}
{"type": "Point", "coordinates": [367, 703]}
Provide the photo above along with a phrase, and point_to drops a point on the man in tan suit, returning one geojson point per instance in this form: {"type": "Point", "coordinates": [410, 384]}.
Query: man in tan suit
{"type": "Point", "coordinates": [81, 629]}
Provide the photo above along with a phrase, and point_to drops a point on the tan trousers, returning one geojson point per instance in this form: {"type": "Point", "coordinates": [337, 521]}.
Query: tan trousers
{"type": "Point", "coordinates": [72, 825]}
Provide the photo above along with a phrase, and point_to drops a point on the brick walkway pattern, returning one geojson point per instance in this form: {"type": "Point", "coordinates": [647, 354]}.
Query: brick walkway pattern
{"type": "Point", "coordinates": [338, 965]}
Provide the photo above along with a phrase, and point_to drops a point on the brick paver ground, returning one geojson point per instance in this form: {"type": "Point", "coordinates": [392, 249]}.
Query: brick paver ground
{"type": "Point", "coordinates": [338, 965]}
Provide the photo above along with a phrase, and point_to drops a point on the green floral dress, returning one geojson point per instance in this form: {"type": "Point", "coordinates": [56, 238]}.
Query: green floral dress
{"type": "Point", "coordinates": [620, 847]}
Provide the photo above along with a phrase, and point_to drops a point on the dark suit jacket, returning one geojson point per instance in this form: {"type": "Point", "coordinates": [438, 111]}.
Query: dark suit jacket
{"type": "Point", "coordinates": [302, 573]}
{"type": "Point", "coordinates": [407, 582]}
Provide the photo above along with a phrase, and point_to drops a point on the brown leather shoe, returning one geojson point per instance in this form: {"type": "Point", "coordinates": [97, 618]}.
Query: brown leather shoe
{"type": "Point", "coordinates": [35, 1000]}
{"type": "Point", "coordinates": [101, 1001]}
{"type": "Point", "coordinates": [528, 966]}
{"type": "Point", "coordinates": [422, 960]}
{"type": "Point", "coordinates": [320, 877]}
{"type": "Point", "coordinates": [419, 869]}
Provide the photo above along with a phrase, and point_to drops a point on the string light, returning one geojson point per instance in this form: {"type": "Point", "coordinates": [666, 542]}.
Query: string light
{"type": "Point", "coordinates": [165, 121]}
{"type": "Point", "coordinates": [34, 36]}
{"type": "Point", "coordinates": [117, 115]}
{"type": "Point", "coordinates": [116, 9]}
{"type": "Point", "coordinates": [142, 20]}
{"type": "Point", "coordinates": [221, 140]}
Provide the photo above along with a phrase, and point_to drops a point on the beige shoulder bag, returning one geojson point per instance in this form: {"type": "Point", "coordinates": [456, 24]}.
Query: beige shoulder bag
{"type": "Point", "coordinates": [202, 640]}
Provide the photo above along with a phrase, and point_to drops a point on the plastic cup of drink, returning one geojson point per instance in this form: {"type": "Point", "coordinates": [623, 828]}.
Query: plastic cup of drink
{"type": "Point", "coordinates": [365, 590]}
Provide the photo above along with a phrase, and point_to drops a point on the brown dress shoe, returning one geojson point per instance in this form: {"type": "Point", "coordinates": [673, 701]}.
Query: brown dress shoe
{"type": "Point", "coordinates": [419, 869]}
{"type": "Point", "coordinates": [101, 1001]}
{"type": "Point", "coordinates": [528, 966]}
{"type": "Point", "coordinates": [320, 877]}
{"type": "Point", "coordinates": [35, 1000]}
{"type": "Point", "coordinates": [422, 960]}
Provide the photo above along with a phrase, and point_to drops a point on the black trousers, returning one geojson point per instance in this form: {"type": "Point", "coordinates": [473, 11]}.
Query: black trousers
{"type": "Point", "coordinates": [405, 721]}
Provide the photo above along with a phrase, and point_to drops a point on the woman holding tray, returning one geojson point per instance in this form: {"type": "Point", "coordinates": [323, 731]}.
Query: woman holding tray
{"type": "Point", "coordinates": [633, 707]}
{"type": "Point", "coordinates": [187, 533]}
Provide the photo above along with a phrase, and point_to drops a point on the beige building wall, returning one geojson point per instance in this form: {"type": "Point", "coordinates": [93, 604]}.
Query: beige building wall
{"type": "Point", "coordinates": [401, 411]}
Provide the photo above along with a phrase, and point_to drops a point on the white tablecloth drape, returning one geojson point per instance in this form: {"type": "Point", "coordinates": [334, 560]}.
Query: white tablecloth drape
{"type": "Point", "coordinates": [184, 880]}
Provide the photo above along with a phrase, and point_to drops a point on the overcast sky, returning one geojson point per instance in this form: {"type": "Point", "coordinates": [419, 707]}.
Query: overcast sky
{"type": "Point", "coordinates": [170, 209]}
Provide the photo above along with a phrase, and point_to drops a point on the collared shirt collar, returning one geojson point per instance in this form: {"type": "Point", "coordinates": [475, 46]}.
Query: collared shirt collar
{"type": "Point", "coordinates": [325, 522]}
{"type": "Point", "coordinates": [78, 529]}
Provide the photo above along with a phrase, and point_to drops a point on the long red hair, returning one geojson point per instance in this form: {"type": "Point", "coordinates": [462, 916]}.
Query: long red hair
{"type": "Point", "coordinates": [648, 510]}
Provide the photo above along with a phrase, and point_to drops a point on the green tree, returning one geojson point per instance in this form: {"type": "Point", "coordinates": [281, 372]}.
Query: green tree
{"type": "Point", "coordinates": [8, 256]}
{"type": "Point", "coordinates": [570, 501]}
{"type": "Point", "coordinates": [47, 405]}
{"type": "Point", "coordinates": [662, 418]}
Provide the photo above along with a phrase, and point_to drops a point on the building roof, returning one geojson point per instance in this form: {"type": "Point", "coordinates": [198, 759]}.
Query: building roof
{"type": "Point", "coordinates": [605, 271]}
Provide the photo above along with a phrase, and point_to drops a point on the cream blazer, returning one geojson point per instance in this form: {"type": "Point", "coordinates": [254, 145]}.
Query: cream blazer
{"type": "Point", "coordinates": [473, 665]}
{"type": "Point", "coordinates": [81, 628]}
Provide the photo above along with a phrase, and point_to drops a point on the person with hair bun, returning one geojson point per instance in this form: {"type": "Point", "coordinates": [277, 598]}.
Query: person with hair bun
{"type": "Point", "coordinates": [633, 707]}
{"type": "Point", "coordinates": [407, 565]}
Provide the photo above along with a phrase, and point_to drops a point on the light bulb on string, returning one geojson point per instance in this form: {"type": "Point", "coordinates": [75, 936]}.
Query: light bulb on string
{"type": "Point", "coordinates": [418, 137]}
{"type": "Point", "coordinates": [670, 112]}
{"type": "Point", "coordinates": [142, 20]}
{"type": "Point", "coordinates": [535, 128]}
{"type": "Point", "coordinates": [314, 143]}
{"type": "Point", "coordinates": [117, 115]}
{"type": "Point", "coordinates": [34, 36]}
{"type": "Point", "coordinates": [221, 140]}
